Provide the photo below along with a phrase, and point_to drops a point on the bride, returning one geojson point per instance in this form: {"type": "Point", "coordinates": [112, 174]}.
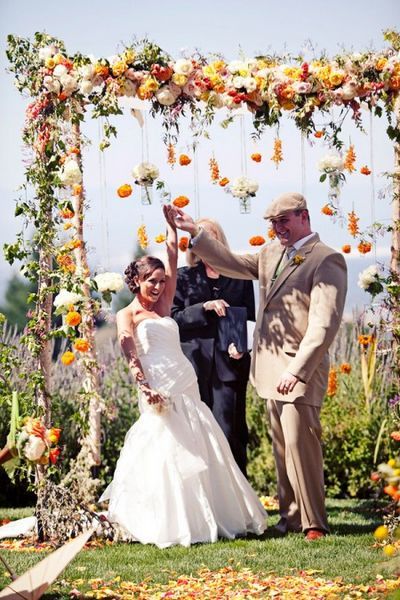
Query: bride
{"type": "Point", "coordinates": [176, 481]}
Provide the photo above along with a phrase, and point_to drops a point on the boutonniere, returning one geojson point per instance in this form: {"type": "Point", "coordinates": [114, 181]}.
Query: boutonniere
{"type": "Point", "coordinates": [298, 259]}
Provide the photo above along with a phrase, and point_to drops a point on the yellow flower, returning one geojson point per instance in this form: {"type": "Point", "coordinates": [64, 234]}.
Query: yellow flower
{"type": "Point", "coordinates": [293, 72]}
{"type": "Point", "coordinates": [160, 238]}
{"type": "Point", "coordinates": [50, 62]}
{"type": "Point", "coordinates": [336, 78]}
{"type": "Point", "coordinates": [298, 259]}
{"type": "Point", "coordinates": [128, 55]}
{"type": "Point", "coordinates": [151, 84]}
{"type": "Point", "coordinates": [67, 358]}
{"type": "Point", "coordinates": [58, 58]}
{"type": "Point", "coordinates": [179, 79]}
{"type": "Point", "coordinates": [81, 345]}
{"type": "Point", "coordinates": [389, 550]}
{"type": "Point", "coordinates": [381, 63]}
{"type": "Point", "coordinates": [119, 68]}
{"type": "Point", "coordinates": [73, 318]}
{"type": "Point", "coordinates": [381, 532]}
{"type": "Point", "coordinates": [391, 462]}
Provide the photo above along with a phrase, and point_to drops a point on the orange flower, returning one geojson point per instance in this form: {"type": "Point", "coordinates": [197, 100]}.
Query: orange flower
{"type": "Point", "coordinates": [214, 170]}
{"type": "Point", "coordinates": [72, 245]}
{"type": "Point", "coordinates": [54, 435]}
{"type": "Point", "coordinates": [160, 238]}
{"type": "Point", "coordinates": [67, 213]}
{"type": "Point", "coordinates": [77, 189]}
{"type": "Point", "coordinates": [327, 210]}
{"type": "Point", "coordinates": [67, 225]}
{"type": "Point", "coordinates": [66, 263]}
{"type": "Point", "coordinates": [365, 171]}
{"type": "Point", "coordinates": [319, 133]}
{"type": "Point", "coordinates": [345, 368]}
{"type": "Point", "coordinates": [271, 233]}
{"type": "Point", "coordinates": [365, 340]}
{"type": "Point", "coordinates": [81, 345]}
{"type": "Point", "coordinates": [395, 435]}
{"type": "Point", "coordinates": [67, 358]}
{"type": "Point", "coordinates": [34, 426]}
{"type": "Point", "coordinates": [392, 491]}
{"type": "Point", "coordinates": [124, 190]}
{"type": "Point", "coordinates": [183, 244]}
{"type": "Point", "coordinates": [184, 160]}
{"type": "Point", "coordinates": [350, 159]}
{"type": "Point", "coordinates": [277, 156]}
{"type": "Point", "coordinates": [181, 201]}
{"type": "Point", "coordinates": [346, 249]}
{"type": "Point", "coordinates": [142, 237]}
{"type": "Point", "coordinates": [73, 318]}
{"type": "Point", "coordinates": [352, 225]}
{"type": "Point", "coordinates": [171, 160]}
{"type": "Point", "coordinates": [223, 182]}
{"type": "Point", "coordinates": [364, 247]}
{"type": "Point", "coordinates": [54, 454]}
{"type": "Point", "coordinates": [332, 382]}
{"type": "Point", "coordinates": [256, 157]}
{"type": "Point", "coordinates": [74, 150]}
{"type": "Point", "coordinates": [257, 240]}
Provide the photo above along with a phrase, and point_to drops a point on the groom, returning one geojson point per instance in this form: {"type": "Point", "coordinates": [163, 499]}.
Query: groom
{"type": "Point", "coordinates": [302, 285]}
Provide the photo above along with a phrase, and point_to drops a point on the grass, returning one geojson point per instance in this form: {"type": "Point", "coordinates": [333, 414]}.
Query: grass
{"type": "Point", "coordinates": [347, 553]}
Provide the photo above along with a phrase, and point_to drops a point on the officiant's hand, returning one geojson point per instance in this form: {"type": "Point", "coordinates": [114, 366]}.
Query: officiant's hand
{"type": "Point", "coordinates": [233, 352]}
{"type": "Point", "coordinates": [218, 306]}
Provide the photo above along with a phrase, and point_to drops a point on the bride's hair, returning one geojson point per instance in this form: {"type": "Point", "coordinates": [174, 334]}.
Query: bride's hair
{"type": "Point", "coordinates": [141, 268]}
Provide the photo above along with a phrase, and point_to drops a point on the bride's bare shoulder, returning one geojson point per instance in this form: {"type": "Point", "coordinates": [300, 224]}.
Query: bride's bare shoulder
{"type": "Point", "coordinates": [126, 317]}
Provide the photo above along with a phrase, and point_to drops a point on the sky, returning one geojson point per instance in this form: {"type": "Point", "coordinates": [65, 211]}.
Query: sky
{"type": "Point", "coordinates": [230, 28]}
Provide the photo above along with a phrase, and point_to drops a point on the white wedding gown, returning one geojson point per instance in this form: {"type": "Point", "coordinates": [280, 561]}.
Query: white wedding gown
{"type": "Point", "coordinates": [176, 481]}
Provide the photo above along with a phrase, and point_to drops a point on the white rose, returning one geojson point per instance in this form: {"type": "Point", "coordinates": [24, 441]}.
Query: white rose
{"type": "Point", "coordinates": [70, 173]}
{"type": "Point", "coordinates": [165, 96]}
{"type": "Point", "coordinates": [349, 90]}
{"type": "Point", "coordinates": [109, 282]}
{"type": "Point", "coordinates": [51, 84]}
{"type": "Point", "coordinates": [69, 83]}
{"type": "Point", "coordinates": [66, 298]}
{"type": "Point", "coordinates": [332, 162]}
{"type": "Point", "coordinates": [238, 82]}
{"type": "Point", "coordinates": [243, 187]}
{"type": "Point", "coordinates": [250, 84]}
{"type": "Point", "coordinates": [183, 66]}
{"type": "Point", "coordinates": [86, 87]}
{"type": "Point", "coordinates": [87, 71]}
{"type": "Point", "coordinates": [368, 276]}
{"type": "Point", "coordinates": [46, 52]}
{"type": "Point", "coordinates": [60, 70]}
{"type": "Point", "coordinates": [34, 448]}
{"type": "Point", "coordinates": [145, 172]}
{"type": "Point", "coordinates": [235, 66]}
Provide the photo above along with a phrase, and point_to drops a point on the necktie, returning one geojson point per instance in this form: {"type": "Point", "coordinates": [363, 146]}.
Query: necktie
{"type": "Point", "coordinates": [286, 257]}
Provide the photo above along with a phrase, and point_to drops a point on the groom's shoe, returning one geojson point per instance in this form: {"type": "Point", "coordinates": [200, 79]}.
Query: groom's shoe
{"type": "Point", "coordinates": [314, 534]}
{"type": "Point", "coordinates": [282, 527]}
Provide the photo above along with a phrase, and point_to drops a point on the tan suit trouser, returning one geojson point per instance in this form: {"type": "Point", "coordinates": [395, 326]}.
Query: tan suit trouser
{"type": "Point", "coordinates": [296, 437]}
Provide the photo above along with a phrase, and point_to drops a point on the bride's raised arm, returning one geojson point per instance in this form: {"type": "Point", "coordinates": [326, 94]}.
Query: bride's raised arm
{"type": "Point", "coordinates": [171, 260]}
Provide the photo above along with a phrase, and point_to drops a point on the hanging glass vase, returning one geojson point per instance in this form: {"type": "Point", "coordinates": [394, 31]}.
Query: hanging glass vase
{"type": "Point", "coordinates": [245, 205]}
{"type": "Point", "coordinates": [146, 194]}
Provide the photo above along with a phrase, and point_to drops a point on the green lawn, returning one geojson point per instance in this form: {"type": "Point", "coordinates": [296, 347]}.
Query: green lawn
{"type": "Point", "coordinates": [347, 553]}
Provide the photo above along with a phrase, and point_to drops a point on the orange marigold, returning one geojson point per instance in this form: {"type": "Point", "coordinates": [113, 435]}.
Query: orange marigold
{"type": "Point", "coordinates": [184, 160]}
{"type": "Point", "coordinates": [66, 263]}
{"type": "Point", "coordinates": [346, 249]}
{"type": "Point", "coordinates": [395, 435]}
{"type": "Point", "coordinates": [143, 240]}
{"type": "Point", "coordinates": [365, 171]}
{"type": "Point", "coordinates": [277, 156]}
{"type": "Point", "coordinates": [67, 358]}
{"type": "Point", "coordinates": [256, 156]}
{"type": "Point", "coordinates": [160, 238]}
{"type": "Point", "coordinates": [81, 345]}
{"type": "Point", "coordinates": [332, 382]}
{"type": "Point", "coordinates": [73, 318]}
{"type": "Point", "coordinates": [352, 225]}
{"type": "Point", "coordinates": [345, 368]}
{"type": "Point", "coordinates": [223, 182]}
{"type": "Point", "coordinates": [257, 240]}
{"type": "Point", "coordinates": [365, 340]}
{"type": "Point", "coordinates": [350, 159]}
{"type": "Point", "coordinates": [271, 233]}
{"type": "Point", "coordinates": [327, 210]}
{"type": "Point", "coordinates": [364, 247]}
{"type": "Point", "coordinates": [183, 244]}
{"type": "Point", "coordinates": [171, 158]}
{"type": "Point", "coordinates": [214, 170]}
{"type": "Point", "coordinates": [319, 133]}
{"type": "Point", "coordinates": [67, 213]}
{"type": "Point", "coordinates": [181, 201]}
{"type": "Point", "coordinates": [392, 491]}
{"type": "Point", "coordinates": [124, 190]}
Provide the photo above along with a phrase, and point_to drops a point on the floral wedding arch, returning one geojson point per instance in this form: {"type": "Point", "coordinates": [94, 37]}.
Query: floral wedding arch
{"type": "Point", "coordinates": [62, 87]}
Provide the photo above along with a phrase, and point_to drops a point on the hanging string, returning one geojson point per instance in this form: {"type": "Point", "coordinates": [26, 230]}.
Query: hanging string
{"type": "Point", "coordinates": [303, 164]}
{"type": "Point", "coordinates": [196, 189]}
{"type": "Point", "coordinates": [372, 169]}
{"type": "Point", "coordinates": [145, 138]}
{"type": "Point", "coordinates": [243, 152]}
{"type": "Point", "coordinates": [103, 197]}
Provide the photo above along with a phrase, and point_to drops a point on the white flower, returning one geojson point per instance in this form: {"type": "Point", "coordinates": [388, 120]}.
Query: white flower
{"type": "Point", "coordinates": [145, 173]}
{"type": "Point", "coordinates": [250, 84]}
{"type": "Point", "coordinates": [65, 298]}
{"type": "Point", "coordinates": [368, 276]}
{"type": "Point", "coordinates": [70, 173]}
{"type": "Point", "coordinates": [69, 83]}
{"type": "Point", "coordinates": [331, 162]}
{"type": "Point", "coordinates": [109, 282]}
{"type": "Point", "coordinates": [60, 70]}
{"type": "Point", "coordinates": [165, 95]}
{"type": "Point", "coordinates": [238, 82]}
{"type": "Point", "coordinates": [47, 52]}
{"type": "Point", "coordinates": [183, 66]}
{"type": "Point", "coordinates": [237, 66]}
{"type": "Point", "coordinates": [215, 99]}
{"type": "Point", "coordinates": [242, 187]}
{"type": "Point", "coordinates": [51, 84]}
{"type": "Point", "coordinates": [86, 87]}
{"type": "Point", "coordinates": [87, 71]}
{"type": "Point", "coordinates": [34, 448]}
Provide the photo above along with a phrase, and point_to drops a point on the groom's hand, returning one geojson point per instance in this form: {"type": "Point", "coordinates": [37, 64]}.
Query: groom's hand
{"type": "Point", "coordinates": [287, 383]}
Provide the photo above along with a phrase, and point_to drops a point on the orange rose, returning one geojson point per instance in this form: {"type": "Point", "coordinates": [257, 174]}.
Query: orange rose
{"type": "Point", "coordinates": [319, 133]}
{"type": "Point", "coordinates": [346, 249]}
{"type": "Point", "coordinates": [77, 189]}
{"type": "Point", "coordinates": [223, 182]}
{"type": "Point", "coordinates": [256, 240]}
{"type": "Point", "coordinates": [54, 454]}
{"type": "Point", "coordinates": [327, 210]}
{"type": "Point", "coordinates": [81, 345]}
{"type": "Point", "coordinates": [256, 157]}
{"type": "Point", "coordinates": [66, 263]}
{"type": "Point", "coordinates": [67, 358]}
{"type": "Point", "coordinates": [183, 244]}
{"type": "Point", "coordinates": [181, 201]}
{"type": "Point", "coordinates": [395, 435]}
{"type": "Point", "coordinates": [73, 318]}
{"type": "Point", "coordinates": [124, 190]}
{"type": "Point", "coordinates": [184, 160]}
{"type": "Point", "coordinates": [365, 171]}
{"type": "Point", "coordinates": [345, 368]}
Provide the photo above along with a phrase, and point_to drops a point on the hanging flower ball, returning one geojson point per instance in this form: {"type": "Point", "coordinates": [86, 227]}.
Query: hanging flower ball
{"type": "Point", "coordinates": [181, 201]}
{"type": "Point", "coordinates": [183, 244]}
{"type": "Point", "coordinates": [365, 171]}
{"type": "Point", "coordinates": [256, 156]}
{"type": "Point", "coordinates": [73, 318]}
{"type": "Point", "coordinates": [364, 247]}
{"type": "Point", "coordinates": [81, 345]}
{"type": "Point", "coordinates": [67, 358]}
{"type": "Point", "coordinates": [223, 182]}
{"type": "Point", "coordinates": [257, 240]}
{"type": "Point", "coordinates": [184, 160]}
{"type": "Point", "coordinates": [346, 249]}
{"type": "Point", "coordinates": [160, 238]}
{"type": "Point", "coordinates": [124, 190]}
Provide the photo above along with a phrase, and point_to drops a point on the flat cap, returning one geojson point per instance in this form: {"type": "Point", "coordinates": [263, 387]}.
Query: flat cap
{"type": "Point", "coordinates": [285, 203]}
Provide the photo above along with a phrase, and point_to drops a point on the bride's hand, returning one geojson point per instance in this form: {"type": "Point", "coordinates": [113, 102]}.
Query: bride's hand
{"type": "Point", "coordinates": [152, 397]}
{"type": "Point", "coordinates": [169, 215]}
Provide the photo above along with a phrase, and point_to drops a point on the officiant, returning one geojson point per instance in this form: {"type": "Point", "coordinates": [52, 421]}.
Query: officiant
{"type": "Point", "coordinates": [211, 311]}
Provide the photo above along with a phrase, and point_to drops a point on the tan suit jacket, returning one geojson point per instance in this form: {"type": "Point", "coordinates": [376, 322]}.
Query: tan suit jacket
{"type": "Point", "coordinates": [299, 313]}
